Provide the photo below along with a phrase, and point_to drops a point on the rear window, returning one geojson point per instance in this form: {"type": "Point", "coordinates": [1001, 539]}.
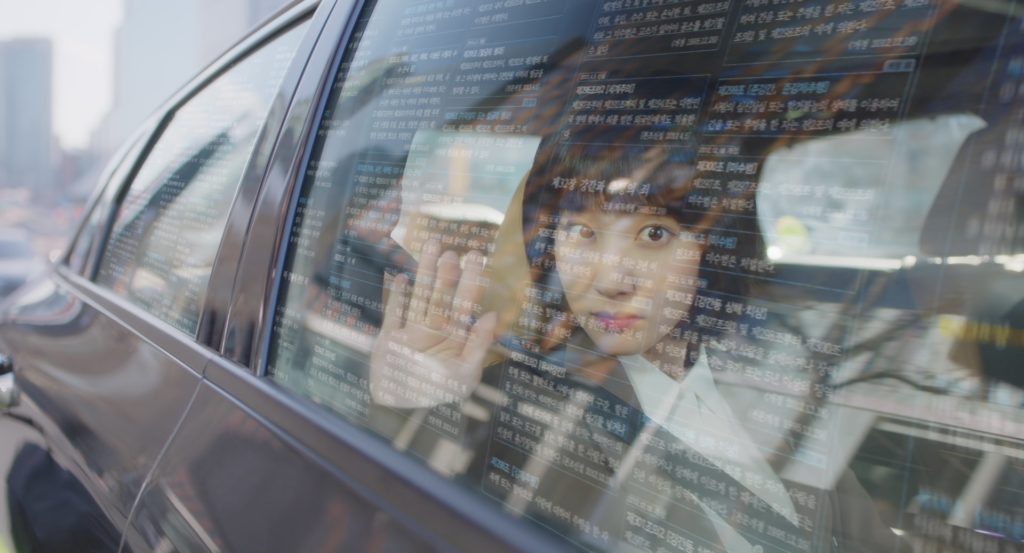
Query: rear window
{"type": "Point", "coordinates": [659, 275]}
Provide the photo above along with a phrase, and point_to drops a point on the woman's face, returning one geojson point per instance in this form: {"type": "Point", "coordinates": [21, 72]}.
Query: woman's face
{"type": "Point", "coordinates": [629, 278]}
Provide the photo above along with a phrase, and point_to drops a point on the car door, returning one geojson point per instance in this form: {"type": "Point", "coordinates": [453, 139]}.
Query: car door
{"type": "Point", "coordinates": [109, 347]}
{"type": "Point", "coordinates": [420, 127]}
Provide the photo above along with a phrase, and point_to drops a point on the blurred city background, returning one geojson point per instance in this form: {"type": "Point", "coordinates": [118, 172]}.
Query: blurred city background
{"type": "Point", "coordinates": [76, 79]}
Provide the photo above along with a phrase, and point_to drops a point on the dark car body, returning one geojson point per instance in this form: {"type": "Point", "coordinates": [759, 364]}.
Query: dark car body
{"type": "Point", "coordinates": [133, 431]}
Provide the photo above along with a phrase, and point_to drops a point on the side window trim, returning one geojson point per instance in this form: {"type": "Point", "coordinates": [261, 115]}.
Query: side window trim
{"type": "Point", "coordinates": [226, 274]}
{"type": "Point", "coordinates": [262, 253]}
{"type": "Point", "coordinates": [265, 333]}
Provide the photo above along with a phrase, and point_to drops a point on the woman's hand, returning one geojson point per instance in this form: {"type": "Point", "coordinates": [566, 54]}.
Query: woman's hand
{"type": "Point", "coordinates": [429, 350]}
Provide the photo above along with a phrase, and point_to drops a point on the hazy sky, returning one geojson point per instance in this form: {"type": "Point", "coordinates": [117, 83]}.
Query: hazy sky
{"type": "Point", "coordinates": [83, 52]}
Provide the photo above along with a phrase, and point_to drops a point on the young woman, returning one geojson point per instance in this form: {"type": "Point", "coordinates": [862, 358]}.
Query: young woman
{"type": "Point", "coordinates": [620, 250]}
{"type": "Point", "coordinates": [621, 258]}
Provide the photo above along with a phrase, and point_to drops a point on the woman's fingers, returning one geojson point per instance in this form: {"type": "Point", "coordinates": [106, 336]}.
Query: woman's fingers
{"type": "Point", "coordinates": [396, 302]}
{"type": "Point", "coordinates": [424, 286]}
{"type": "Point", "coordinates": [480, 339]}
{"type": "Point", "coordinates": [445, 281]}
{"type": "Point", "coordinates": [467, 296]}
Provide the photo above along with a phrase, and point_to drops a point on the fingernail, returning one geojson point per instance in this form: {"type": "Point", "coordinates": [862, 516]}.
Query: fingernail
{"type": "Point", "coordinates": [448, 257]}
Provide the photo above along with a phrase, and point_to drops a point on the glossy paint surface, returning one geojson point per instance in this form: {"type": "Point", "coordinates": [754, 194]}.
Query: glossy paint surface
{"type": "Point", "coordinates": [106, 398]}
{"type": "Point", "coordinates": [228, 483]}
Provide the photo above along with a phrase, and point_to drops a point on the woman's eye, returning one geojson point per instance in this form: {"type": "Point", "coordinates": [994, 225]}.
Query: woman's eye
{"type": "Point", "coordinates": [655, 234]}
{"type": "Point", "coordinates": [580, 232]}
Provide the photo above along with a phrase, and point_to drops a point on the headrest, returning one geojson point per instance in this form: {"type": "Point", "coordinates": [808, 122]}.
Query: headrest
{"type": "Point", "coordinates": [980, 208]}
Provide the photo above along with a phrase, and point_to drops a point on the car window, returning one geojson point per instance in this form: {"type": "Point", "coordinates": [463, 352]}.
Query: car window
{"type": "Point", "coordinates": [168, 227]}
{"type": "Point", "coordinates": [798, 220]}
{"type": "Point", "coordinates": [86, 242]}
{"type": "Point", "coordinates": [673, 275]}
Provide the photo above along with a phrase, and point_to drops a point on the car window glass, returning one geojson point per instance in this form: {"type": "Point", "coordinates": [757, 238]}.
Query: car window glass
{"type": "Point", "coordinates": [168, 227]}
{"type": "Point", "coordinates": [85, 243]}
{"type": "Point", "coordinates": [810, 203]}
{"type": "Point", "coordinates": [658, 275]}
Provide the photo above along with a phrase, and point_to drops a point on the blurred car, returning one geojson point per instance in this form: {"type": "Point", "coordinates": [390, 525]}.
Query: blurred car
{"type": "Point", "coordinates": [18, 261]}
{"type": "Point", "coordinates": [195, 372]}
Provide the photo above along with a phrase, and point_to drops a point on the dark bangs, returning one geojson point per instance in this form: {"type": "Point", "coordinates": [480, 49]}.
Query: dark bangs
{"type": "Point", "coordinates": [653, 182]}
{"type": "Point", "coordinates": [721, 213]}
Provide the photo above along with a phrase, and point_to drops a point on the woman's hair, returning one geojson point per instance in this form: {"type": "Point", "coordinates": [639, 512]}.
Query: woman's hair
{"type": "Point", "coordinates": [721, 216]}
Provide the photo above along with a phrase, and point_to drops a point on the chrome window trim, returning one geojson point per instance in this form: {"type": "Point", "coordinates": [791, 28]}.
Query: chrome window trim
{"type": "Point", "coordinates": [225, 274]}
{"type": "Point", "coordinates": [261, 258]}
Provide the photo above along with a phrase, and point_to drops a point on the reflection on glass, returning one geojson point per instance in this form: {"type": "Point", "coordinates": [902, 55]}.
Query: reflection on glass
{"type": "Point", "coordinates": [853, 194]}
{"type": "Point", "coordinates": [678, 276]}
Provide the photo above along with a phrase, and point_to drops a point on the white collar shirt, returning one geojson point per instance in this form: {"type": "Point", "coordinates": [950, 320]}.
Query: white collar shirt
{"type": "Point", "coordinates": [694, 411]}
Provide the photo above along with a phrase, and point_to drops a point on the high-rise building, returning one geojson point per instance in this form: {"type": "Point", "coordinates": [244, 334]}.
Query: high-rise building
{"type": "Point", "coordinates": [160, 45]}
{"type": "Point", "coordinates": [26, 112]}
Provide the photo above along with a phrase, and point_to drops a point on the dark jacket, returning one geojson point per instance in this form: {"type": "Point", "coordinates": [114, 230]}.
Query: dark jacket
{"type": "Point", "coordinates": [568, 447]}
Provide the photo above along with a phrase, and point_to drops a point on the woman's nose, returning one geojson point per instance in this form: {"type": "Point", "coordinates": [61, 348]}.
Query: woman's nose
{"type": "Point", "coordinates": [614, 279]}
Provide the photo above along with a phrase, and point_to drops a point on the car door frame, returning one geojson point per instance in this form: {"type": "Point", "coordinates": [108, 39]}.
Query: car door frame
{"type": "Point", "coordinates": [425, 501]}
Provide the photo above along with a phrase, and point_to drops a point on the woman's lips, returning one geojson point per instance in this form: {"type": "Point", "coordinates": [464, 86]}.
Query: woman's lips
{"type": "Point", "coordinates": [616, 321]}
